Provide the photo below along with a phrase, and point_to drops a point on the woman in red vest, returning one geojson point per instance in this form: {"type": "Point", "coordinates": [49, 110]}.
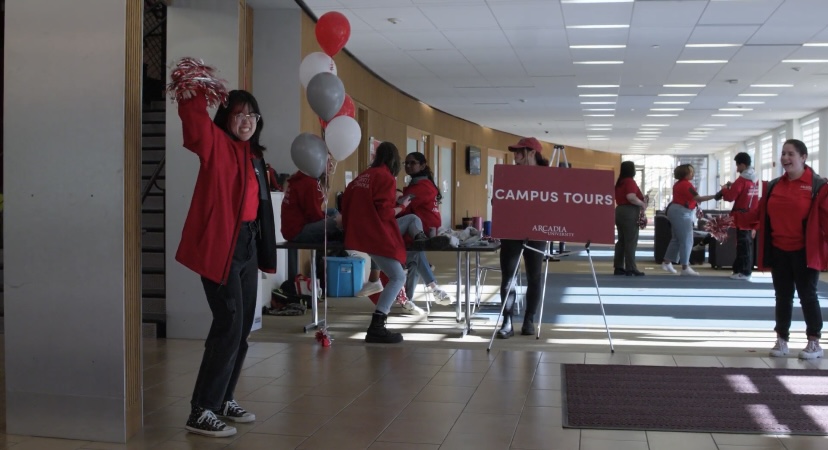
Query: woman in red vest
{"type": "Point", "coordinates": [229, 234]}
{"type": "Point", "coordinates": [369, 210]}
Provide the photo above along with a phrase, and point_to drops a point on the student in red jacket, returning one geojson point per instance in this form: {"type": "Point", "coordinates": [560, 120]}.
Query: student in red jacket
{"type": "Point", "coordinates": [793, 225]}
{"type": "Point", "coordinates": [228, 235]}
{"type": "Point", "coordinates": [302, 217]}
{"type": "Point", "coordinates": [680, 213]}
{"type": "Point", "coordinates": [745, 197]}
{"type": "Point", "coordinates": [425, 204]}
{"type": "Point", "coordinates": [369, 209]}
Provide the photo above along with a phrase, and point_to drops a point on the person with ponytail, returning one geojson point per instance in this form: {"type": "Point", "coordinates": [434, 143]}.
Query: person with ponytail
{"type": "Point", "coordinates": [425, 204]}
{"type": "Point", "coordinates": [527, 152]}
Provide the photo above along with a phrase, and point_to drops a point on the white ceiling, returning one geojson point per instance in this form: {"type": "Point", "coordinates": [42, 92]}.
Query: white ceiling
{"type": "Point", "coordinates": [510, 65]}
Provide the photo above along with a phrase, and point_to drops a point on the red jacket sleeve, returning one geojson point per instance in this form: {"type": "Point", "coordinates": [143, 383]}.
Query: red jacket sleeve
{"type": "Point", "coordinates": [735, 190]}
{"type": "Point", "coordinates": [822, 201]}
{"type": "Point", "coordinates": [385, 195]}
{"type": "Point", "coordinates": [199, 130]}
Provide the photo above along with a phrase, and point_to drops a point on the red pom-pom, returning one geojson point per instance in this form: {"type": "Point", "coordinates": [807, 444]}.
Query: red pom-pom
{"type": "Point", "coordinates": [717, 227]}
{"type": "Point", "coordinates": [192, 74]}
{"type": "Point", "coordinates": [323, 338]}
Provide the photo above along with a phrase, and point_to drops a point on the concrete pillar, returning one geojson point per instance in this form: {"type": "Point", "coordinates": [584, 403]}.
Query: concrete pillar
{"type": "Point", "coordinates": [72, 139]}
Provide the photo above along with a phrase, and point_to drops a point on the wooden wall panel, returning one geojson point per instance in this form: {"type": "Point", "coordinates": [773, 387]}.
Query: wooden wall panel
{"type": "Point", "coordinates": [391, 113]}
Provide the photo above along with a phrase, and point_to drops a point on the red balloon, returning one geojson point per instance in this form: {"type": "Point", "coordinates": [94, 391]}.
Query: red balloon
{"type": "Point", "coordinates": [348, 109]}
{"type": "Point", "coordinates": [332, 32]}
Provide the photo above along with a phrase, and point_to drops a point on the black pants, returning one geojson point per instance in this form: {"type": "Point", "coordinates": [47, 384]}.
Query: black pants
{"type": "Point", "coordinates": [626, 220]}
{"type": "Point", "coordinates": [790, 271]}
{"type": "Point", "coordinates": [233, 305]}
{"type": "Point", "coordinates": [533, 261]}
{"type": "Point", "coordinates": [744, 253]}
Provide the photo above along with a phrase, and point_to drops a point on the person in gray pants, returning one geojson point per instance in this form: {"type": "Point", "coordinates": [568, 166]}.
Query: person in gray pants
{"type": "Point", "coordinates": [680, 214]}
{"type": "Point", "coordinates": [629, 199]}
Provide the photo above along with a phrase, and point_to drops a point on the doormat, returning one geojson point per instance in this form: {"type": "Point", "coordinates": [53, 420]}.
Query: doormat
{"type": "Point", "coordinates": [695, 399]}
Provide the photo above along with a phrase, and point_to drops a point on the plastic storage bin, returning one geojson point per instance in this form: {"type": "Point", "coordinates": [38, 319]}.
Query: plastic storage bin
{"type": "Point", "coordinates": [344, 277]}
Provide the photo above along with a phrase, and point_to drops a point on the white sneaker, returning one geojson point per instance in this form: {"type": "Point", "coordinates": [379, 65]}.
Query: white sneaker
{"type": "Point", "coordinates": [811, 351]}
{"type": "Point", "coordinates": [780, 349]}
{"type": "Point", "coordinates": [668, 267]}
{"type": "Point", "coordinates": [413, 309]}
{"type": "Point", "coordinates": [369, 288]}
{"type": "Point", "coordinates": [689, 272]}
{"type": "Point", "coordinates": [441, 297]}
{"type": "Point", "coordinates": [739, 276]}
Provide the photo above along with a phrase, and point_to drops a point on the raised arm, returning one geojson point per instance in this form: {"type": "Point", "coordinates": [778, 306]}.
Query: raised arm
{"type": "Point", "coordinates": [199, 131]}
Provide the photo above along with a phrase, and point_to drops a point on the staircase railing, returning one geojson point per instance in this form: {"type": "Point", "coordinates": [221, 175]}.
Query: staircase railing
{"type": "Point", "coordinates": [153, 181]}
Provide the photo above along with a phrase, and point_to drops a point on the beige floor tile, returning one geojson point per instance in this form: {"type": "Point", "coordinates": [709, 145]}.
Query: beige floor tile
{"type": "Point", "coordinates": [608, 358]}
{"type": "Point", "coordinates": [605, 444]}
{"type": "Point", "coordinates": [753, 447]}
{"type": "Point", "coordinates": [745, 440]}
{"type": "Point", "coordinates": [535, 432]}
{"type": "Point", "coordinates": [551, 382]}
{"type": "Point", "coordinates": [258, 441]}
{"type": "Point", "coordinates": [791, 362]}
{"type": "Point", "coordinates": [476, 354]}
{"type": "Point", "coordinates": [502, 398]}
{"type": "Point", "coordinates": [543, 397]}
{"type": "Point", "coordinates": [291, 424]}
{"type": "Point", "coordinates": [743, 361]}
{"type": "Point", "coordinates": [466, 365]}
{"type": "Point", "coordinates": [275, 393]}
{"type": "Point", "coordinates": [697, 361]}
{"type": "Point", "coordinates": [549, 369]}
{"type": "Point", "coordinates": [248, 384]}
{"type": "Point", "coordinates": [200, 443]}
{"type": "Point", "coordinates": [680, 441]}
{"type": "Point", "coordinates": [450, 394]}
{"type": "Point", "coordinates": [401, 446]}
{"type": "Point", "coordinates": [652, 360]}
{"type": "Point", "coordinates": [317, 404]}
{"type": "Point", "coordinates": [263, 410]}
{"type": "Point", "coordinates": [452, 378]}
{"type": "Point", "coordinates": [354, 428]}
{"type": "Point", "coordinates": [615, 435]}
{"type": "Point", "coordinates": [481, 432]}
{"type": "Point", "coordinates": [153, 403]}
{"type": "Point", "coordinates": [804, 442]}
{"type": "Point", "coordinates": [37, 443]}
{"type": "Point", "coordinates": [430, 358]}
{"type": "Point", "coordinates": [423, 423]}
{"type": "Point", "coordinates": [563, 357]}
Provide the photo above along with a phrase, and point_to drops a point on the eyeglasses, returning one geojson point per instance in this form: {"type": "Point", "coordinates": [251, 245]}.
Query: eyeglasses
{"type": "Point", "coordinates": [252, 117]}
{"type": "Point", "coordinates": [411, 163]}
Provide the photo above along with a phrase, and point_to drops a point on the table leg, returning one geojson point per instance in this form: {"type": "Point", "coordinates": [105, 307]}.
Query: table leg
{"type": "Point", "coordinates": [468, 293]}
{"type": "Point", "coordinates": [314, 297]}
{"type": "Point", "coordinates": [459, 282]}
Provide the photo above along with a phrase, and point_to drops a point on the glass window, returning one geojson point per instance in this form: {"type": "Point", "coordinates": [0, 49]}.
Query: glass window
{"type": "Point", "coordinates": [766, 160]}
{"type": "Point", "coordinates": [810, 136]}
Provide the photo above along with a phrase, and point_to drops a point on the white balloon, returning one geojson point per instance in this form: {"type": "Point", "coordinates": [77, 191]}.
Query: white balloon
{"type": "Point", "coordinates": [314, 64]}
{"type": "Point", "coordinates": [342, 137]}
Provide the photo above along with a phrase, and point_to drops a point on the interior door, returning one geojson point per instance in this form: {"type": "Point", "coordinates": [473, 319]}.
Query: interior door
{"type": "Point", "coordinates": [445, 169]}
{"type": "Point", "coordinates": [495, 157]}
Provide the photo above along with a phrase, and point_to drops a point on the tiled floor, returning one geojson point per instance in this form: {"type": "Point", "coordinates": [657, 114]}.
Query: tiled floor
{"type": "Point", "coordinates": [432, 392]}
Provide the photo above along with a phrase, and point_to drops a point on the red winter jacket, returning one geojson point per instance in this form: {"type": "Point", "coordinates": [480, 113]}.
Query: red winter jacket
{"type": "Point", "coordinates": [816, 228]}
{"type": "Point", "coordinates": [302, 204]}
{"type": "Point", "coordinates": [368, 214]}
{"type": "Point", "coordinates": [208, 238]}
{"type": "Point", "coordinates": [744, 194]}
{"type": "Point", "coordinates": [424, 204]}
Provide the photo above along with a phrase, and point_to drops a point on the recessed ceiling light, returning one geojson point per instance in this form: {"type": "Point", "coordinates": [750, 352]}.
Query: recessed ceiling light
{"type": "Point", "coordinates": [712, 45]}
{"type": "Point", "coordinates": [597, 103]}
{"type": "Point", "coordinates": [693, 139]}
{"type": "Point", "coordinates": [701, 61]}
{"type": "Point", "coordinates": [758, 95]}
{"type": "Point", "coordinates": [599, 115]}
{"type": "Point", "coordinates": [815, 44]}
{"type": "Point", "coordinates": [591, 86]}
{"type": "Point", "coordinates": [662, 115]}
{"type": "Point", "coordinates": [598, 46]}
{"type": "Point", "coordinates": [599, 129]}
{"type": "Point", "coordinates": [671, 103]}
{"type": "Point", "coordinates": [596, 26]}
{"type": "Point", "coordinates": [599, 109]}
{"type": "Point", "coordinates": [771, 85]}
{"type": "Point", "coordinates": [735, 109]}
{"type": "Point", "coordinates": [655, 125]}
{"type": "Point", "coordinates": [676, 95]}
{"type": "Point", "coordinates": [726, 115]}
{"type": "Point", "coordinates": [666, 109]}
{"type": "Point", "coordinates": [600, 125]}
{"type": "Point", "coordinates": [746, 103]}
{"type": "Point", "coordinates": [648, 132]}
{"type": "Point", "coordinates": [684, 85]}
{"type": "Point", "coordinates": [595, 136]}
{"type": "Point", "coordinates": [597, 1]}
{"type": "Point", "coordinates": [805, 61]}
{"type": "Point", "coordinates": [714, 125]}
{"type": "Point", "coordinates": [644, 138]}
{"type": "Point", "coordinates": [597, 95]}
{"type": "Point", "coordinates": [598, 62]}
{"type": "Point", "coordinates": [697, 132]}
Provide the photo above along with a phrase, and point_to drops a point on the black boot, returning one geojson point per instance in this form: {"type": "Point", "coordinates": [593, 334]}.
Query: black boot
{"type": "Point", "coordinates": [506, 331]}
{"type": "Point", "coordinates": [528, 327]}
{"type": "Point", "coordinates": [378, 334]}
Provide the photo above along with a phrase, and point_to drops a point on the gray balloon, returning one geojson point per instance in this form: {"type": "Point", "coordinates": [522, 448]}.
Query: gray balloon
{"type": "Point", "coordinates": [326, 94]}
{"type": "Point", "coordinates": [310, 154]}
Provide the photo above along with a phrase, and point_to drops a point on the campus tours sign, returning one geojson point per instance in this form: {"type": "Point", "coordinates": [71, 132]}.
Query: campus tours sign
{"type": "Point", "coordinates": [553, 204]}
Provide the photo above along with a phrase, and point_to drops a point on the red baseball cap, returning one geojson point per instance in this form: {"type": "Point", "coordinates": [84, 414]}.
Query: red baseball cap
{"type": "Point", "coordinates": [527, 142]}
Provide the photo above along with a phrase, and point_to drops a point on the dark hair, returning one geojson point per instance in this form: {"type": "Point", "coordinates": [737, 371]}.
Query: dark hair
{"type": "Point", "coordinates": [540, 160]}
{"type": "Point", "coordinates": [222, 117]}
{"type": "Point", "coordinates": [426, 172]}
{"type": "Point", "coordinates": [742, 158]}
{"type": "Point", "coordinates": [387, 155]}
{"type": "Point", "coordinates": [627, 171]}
{"type": "Point", "coordinates": [798, 145]}
{"type": "Point", "coordinates": [682, 171]}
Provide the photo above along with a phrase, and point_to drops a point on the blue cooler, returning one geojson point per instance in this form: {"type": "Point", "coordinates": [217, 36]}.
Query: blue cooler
{"type": "Point", "coordinates": [344, 276]}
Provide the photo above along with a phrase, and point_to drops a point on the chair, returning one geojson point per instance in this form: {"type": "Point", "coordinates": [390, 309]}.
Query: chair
{"type": "Point", "coordinates": [481, 279]}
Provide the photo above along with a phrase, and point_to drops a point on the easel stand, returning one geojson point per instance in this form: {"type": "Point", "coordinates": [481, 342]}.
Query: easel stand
{"type": "Point", "coordinates": [548, 256]}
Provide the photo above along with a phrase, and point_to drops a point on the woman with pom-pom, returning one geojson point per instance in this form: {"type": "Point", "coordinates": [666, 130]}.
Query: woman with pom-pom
{"type": "Point", "coordinates": [229, 234]}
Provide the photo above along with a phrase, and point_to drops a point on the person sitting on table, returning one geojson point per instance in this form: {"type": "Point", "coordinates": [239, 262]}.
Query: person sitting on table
{"type": "Point", "coordinates": [425, 204]}
{"type": "Point", "coordinates": [680, 214]}
{"type": "Point", "coordinates": [303, 220]}
{"type": "Point", "coordinates": [793, 225]}
{"type": "Point", "coordinates": [526, 152]}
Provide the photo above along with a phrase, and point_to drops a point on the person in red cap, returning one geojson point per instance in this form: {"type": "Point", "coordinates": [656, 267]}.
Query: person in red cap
{"type": "Point", "coordinates": [527, 152]}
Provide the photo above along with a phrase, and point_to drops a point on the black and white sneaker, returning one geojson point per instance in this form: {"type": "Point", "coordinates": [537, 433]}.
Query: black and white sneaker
{"type": "Point", "coordinates": [203, 421]}
{"type": "Point", "coordinates": [232, 411]}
